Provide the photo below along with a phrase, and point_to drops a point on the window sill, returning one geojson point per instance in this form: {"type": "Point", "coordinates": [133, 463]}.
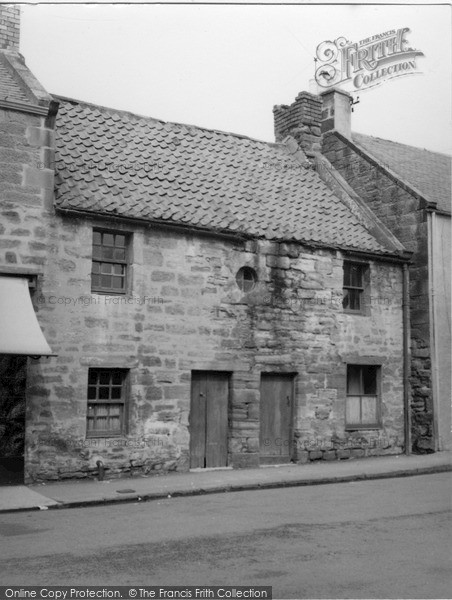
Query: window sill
{"type": "Point", "coordinates": [362, 427]}
{"type": "Point", "coordinates": [105, 293]}
{"type": "Point", "coordinates": [104, 436]}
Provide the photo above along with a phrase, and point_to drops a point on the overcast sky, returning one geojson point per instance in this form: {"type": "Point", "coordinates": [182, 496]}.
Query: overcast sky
{"type": "Point", "coordinates": [225, 66]}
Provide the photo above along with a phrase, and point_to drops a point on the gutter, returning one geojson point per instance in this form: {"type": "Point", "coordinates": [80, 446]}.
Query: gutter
{"type": "Point", "coordinates": [404, 257]}
{"type": "Point", "coordinates": [443, 213]}
{"type": "Point", "coordinates": [395, 257]}
{"type": "Point", "coordinates": [26, 107]}
{"type": "Point", "coordinates": [149, 223]}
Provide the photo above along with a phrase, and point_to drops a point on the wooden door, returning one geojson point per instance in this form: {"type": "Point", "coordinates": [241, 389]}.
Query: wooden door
{"type": "Point", "coordinates": [13, 370]}
{"type": "Point", "coordinates": [209, 419]}
{"type": "Point", "coordinates": [276, 418]}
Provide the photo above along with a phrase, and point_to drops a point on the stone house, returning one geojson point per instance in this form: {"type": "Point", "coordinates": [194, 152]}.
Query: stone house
{"type": "Point", "coordinates": [199, 299]}
{"type": "Point", "coordinates": [409, 189]}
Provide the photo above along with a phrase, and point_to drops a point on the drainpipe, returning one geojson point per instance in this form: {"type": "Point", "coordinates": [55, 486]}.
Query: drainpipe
{"type": "Point", "coordinates": [406, 359]}
{"type": "Point", "coordinates": [431, 220]}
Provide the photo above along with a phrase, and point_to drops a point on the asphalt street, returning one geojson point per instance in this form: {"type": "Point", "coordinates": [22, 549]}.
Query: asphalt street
{"type": "Point", "coordinates": [371, 539]}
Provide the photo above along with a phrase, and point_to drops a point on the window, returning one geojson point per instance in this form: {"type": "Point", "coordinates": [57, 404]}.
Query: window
{"type": "Point", "coordinates": [246, 278]}
{"type": "Point", "coordinates": [106, 402]}
{"type": "Point", "coordinates": [353, 286]}
{"type": "Point", "coordinates": [109, 268]}
{"type": "Point", "coordinates": [362, 408]}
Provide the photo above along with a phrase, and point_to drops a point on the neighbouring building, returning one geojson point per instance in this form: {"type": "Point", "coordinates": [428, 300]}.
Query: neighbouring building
{"type": "Point", "coordinates": [197, 298]}
{"type": "Point", "coordinates": [409, 189]}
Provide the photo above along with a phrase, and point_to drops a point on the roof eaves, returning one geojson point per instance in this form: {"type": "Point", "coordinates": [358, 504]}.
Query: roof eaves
{"type": "Point", "coordinates": [402, 255]}
{"type": "Point", "coordinates": [153, 222]}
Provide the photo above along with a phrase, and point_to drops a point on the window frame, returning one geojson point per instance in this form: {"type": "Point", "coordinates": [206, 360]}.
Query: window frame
{"type": "Point", "coordinates": [377, 396]}
{"type": "Point", "coordinates": [122, 401]}
{"type": "Point", "coordinates": [125, 262]}
{"type": "Point", "coordinates": [242, 281]}
{"type": "Point", "coordinates": [364, 270]}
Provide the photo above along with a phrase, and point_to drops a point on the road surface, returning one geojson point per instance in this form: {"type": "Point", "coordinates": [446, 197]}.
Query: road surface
{"type": "Point", "coordinates": [388, 538]}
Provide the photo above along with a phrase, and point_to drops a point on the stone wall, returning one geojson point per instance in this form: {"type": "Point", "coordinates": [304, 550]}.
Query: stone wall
{"type": "Point", "coordinates": [185, 312]}
{"type": "Point", "coordinates": [402, 213]}
{"type": "Point", "coordinates": [26, 187]}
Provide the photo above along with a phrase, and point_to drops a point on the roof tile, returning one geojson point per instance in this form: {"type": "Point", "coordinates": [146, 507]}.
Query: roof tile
{"type": "Point", "coordinates": [183, 174]}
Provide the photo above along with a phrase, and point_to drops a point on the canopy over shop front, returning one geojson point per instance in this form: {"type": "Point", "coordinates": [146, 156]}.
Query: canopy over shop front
{"type": "Point", "coordinates": [20, 332]}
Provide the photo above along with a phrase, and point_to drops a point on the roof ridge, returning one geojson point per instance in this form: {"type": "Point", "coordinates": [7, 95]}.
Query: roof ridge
{"type": "Point", "coordinates": [154, 119]}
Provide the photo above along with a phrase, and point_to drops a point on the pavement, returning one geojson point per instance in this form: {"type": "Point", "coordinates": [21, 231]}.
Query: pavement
{"type": "Point", "coordinates": [74, 494]}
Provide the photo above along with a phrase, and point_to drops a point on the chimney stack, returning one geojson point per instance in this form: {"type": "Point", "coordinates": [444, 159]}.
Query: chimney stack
{"type": "Point", "coordinates": [336, 112]}
{"type": "Point", "coordinates": [9, 27]}
{"type": "Point", "coordinates": [301, 120]}
{"type": "Point", "coordinates": [310, 116]}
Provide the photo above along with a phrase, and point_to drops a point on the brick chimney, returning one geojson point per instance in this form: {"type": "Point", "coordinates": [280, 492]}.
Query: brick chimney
{"type": "Point", "coordinates": [336, 112]}
{"type": "Point", "coordinates": [9, 27]}
{"type": "Point", "coordinates": [301, 120]}
{"type": "Point", "coordinates": [310, 116]}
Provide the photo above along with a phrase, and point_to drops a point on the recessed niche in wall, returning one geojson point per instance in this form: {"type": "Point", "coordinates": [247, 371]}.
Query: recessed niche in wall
{"type": "Point", "coordinates": [246, 278]}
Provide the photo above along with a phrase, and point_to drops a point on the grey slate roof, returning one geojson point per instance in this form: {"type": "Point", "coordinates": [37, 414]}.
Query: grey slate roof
{"type": "Point", "coordinates": [429, 172]}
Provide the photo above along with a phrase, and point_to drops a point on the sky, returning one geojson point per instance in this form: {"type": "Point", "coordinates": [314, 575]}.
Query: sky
{"type": "Point", "coordinates": [225, 66]}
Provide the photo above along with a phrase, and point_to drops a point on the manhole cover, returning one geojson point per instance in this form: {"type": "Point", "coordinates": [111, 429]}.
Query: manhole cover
{"type": "Point", "coordinates": [125, 491]}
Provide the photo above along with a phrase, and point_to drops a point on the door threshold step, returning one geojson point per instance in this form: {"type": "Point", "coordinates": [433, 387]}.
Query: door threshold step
{"type": "Point", "coordinates": [285, 464]}
{"type": "Point", "coordinates": [203, 469]}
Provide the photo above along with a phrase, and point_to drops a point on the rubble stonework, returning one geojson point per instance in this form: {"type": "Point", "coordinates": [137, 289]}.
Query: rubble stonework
{"type": "Point", "coordinates": [400, 211]}
{"type": "Point", "coordinates": [399, 197]}
{"type": "Point", "coordinates": [187, 313]}
{"type": "Point", "coordinates": [211, 204]}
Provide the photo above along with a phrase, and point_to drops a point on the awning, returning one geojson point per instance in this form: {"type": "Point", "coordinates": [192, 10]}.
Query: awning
{"type": "Point", "coordinates": [20, 332]}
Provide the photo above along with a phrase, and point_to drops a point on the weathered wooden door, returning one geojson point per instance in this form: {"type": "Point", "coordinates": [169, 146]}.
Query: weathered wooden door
{"type": "Point", "coordinates": [209, 419]}
{"type": "Point", "coordinates": [13, 371]}
{"type": "Point", "coordinates": [276, 418]}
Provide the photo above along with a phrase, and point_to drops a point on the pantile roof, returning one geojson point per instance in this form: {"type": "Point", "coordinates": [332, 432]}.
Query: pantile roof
{"type": "Point", "coordinates": [115, 163]}
{"type": "Point", "coordinates": [429, 172]}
